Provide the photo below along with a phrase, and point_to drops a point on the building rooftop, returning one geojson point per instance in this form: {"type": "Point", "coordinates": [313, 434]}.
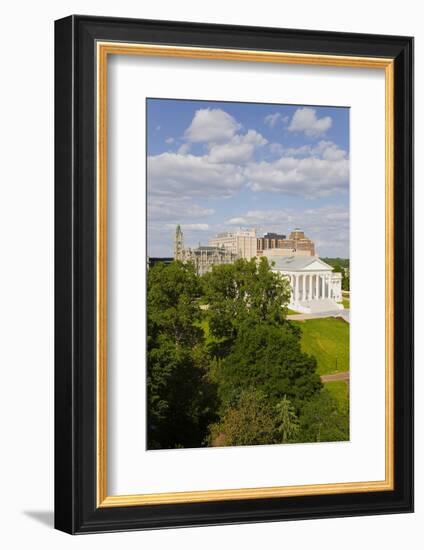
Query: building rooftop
{"type": "Point", "coordinates": [296, 263]}
{"type": "Point", "coordinates": [205, 248]}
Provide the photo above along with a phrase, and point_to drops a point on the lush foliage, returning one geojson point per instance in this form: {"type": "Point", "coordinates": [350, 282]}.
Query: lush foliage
{"type": "Point", "coordinates": [269, 358]}
{"type": "Point", "coordinates": [250, 421]}
{"type": "Point", "coordinates": [341, 265]}
{"type": "Point", "coordinates": [245, 291]}
{"type": "Point", "coordinates": [181, 398]}
{"type": "Point", "coordinates": [225, 366]}
{"type": "Point", "coordinates": [323, 420]}
{"type": "Point", "coordinates": [287, 421]}
{"type": "Point", "coordinates": [328, 341]}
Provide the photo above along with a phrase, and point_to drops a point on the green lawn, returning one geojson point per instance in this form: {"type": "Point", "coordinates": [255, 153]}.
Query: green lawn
{"type": "Point", "coordinates": [346, 303]}
{"type": "Point", "coordinates": [339, 390]}
{"type": "Point", "coordinates": [328, 340]}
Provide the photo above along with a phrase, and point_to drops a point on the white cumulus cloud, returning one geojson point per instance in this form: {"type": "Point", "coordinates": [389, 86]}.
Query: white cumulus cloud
{"type": "Point", "coordinates": [176, 175]}
{"type": "Point", "coordinates": [272, 119]}
{"type": "Point", "coordinates": [211, 125]}
{"type": "Point", "coordinates": [228, 163]}
{"type": "Point", "coordinates": [327, 150]}
{"type": "Point", "coordinates": [184, 149]}
{"type": "Point", "coordinates": [239, 149]}
{"type": "Point", "coordinates": [309, 177]}
{"type": "Point", "coordinates": [305, 120]}
{"type": "Point", "coordinates": [161, 210]}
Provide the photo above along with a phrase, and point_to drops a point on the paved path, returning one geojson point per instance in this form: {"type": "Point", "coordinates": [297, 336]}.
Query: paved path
{"type": "Point", "coordinates": [335, 377]}
{"type": "Point", "coordinates": [344, 313]}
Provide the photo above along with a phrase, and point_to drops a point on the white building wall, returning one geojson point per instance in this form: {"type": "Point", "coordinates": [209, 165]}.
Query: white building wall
{"type": "Point", "coordinates": [243, 243]}
{"type": "Point", "coordinates": [309, 287]}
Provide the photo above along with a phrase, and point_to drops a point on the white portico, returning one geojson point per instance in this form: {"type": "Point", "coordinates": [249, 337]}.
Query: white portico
{"type": "Point", "coordinates": [314, 286]}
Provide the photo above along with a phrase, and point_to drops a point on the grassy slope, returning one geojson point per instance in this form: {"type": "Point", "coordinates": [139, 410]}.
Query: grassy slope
{"type": "Point", "coordinates": [339, 390]}
{"type": "Point", "coordinates": [328, 340]}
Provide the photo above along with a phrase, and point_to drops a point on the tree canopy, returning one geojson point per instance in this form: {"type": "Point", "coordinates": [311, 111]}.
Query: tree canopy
{"type": "Point", "coordinates": [181, 398]}
{"type": "Point", "coordinates": [244, 291]}
{"type": "Point", "coordinates": [248, 382]}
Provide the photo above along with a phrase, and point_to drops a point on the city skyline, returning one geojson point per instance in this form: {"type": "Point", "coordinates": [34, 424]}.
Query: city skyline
{"type": "Point", "coordinates": [219, 166]}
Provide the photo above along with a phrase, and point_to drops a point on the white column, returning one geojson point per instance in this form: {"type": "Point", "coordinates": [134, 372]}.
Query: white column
{"type": "Point", "coordinates": [316, 285]}
{"type": "Point", "coordinates": [328, 286]}
{"type": "Point", "coordinates": [296, 288]}
{"type": "Point", "coordinates": [322, 286]}
{"type": "Point", "coordinates": [303, 287]}
{"type": "Point", "coordinates": [311, 277]}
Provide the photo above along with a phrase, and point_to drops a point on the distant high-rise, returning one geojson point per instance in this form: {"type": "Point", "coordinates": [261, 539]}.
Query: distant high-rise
{"type": "Point", "coordinates": [242, 243]}
{"type": "Point", "coordinates": [300, 242]}
{"type": "Point", "coordinates": [296, 245]}
{"type": "Point", "coordinates": [270, 240]}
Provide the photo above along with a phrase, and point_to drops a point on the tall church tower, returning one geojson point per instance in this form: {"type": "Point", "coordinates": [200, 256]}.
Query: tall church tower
{"type": "Point", "coordinates": [178, 244]}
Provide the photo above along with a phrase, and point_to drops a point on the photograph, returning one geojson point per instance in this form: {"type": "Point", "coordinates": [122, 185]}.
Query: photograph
{"type": "Point", "coordinates": [225, 194]}
{"type": "Point", "coordinates": [248, 269]}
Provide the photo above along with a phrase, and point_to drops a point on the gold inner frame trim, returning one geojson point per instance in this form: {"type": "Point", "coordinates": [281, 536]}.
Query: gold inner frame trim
{"type": "Point", "coordinates": [104, 49]}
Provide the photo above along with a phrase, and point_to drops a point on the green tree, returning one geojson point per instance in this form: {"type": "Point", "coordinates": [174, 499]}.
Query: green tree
{"type": "Point", "coordinates": [340, 265]}
{"type": "Point", "coordinates": [172, 302]}
{"type": "Point", "coordinates": [268, 358]}
{"type": "Point", "coordinates": [242, 291]}
{"type": "Point", "coordinates": [345, 280]}
{"type": "Point", "coordinates": [181, 397]}
{"type": "Point", "coordinates": [251, 421]}
{"type": "Point", "coordinates": [322, 419]}
{"type": "Point", "coordinates": [287, 421]}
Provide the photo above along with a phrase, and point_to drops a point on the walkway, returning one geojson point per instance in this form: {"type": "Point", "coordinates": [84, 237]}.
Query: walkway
{"type": "Point", "coordinates": [343, 313]}
{"type": "Point", "coordinates": [335, 377]}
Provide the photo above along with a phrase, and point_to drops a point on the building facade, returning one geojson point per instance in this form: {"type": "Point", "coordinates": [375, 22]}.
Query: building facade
{"type": "Point", "coordinates": [269, 241]}
{"type": "Point", "coordinates": [242, 243]}
{"type": "Point", "coordinates": [203, 257]}
{"type": "Point", "coordinates": [296, 245]}
{"type": "Point", "coordinates": [314, 286]}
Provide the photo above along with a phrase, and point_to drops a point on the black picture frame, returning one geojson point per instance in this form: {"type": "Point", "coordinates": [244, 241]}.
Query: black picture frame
{"type": "Point", "coordinates": [76, 510]}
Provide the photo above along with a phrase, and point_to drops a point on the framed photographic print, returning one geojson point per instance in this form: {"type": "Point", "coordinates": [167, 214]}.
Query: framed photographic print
{"type": "Point", "coordinates": [234, 274]}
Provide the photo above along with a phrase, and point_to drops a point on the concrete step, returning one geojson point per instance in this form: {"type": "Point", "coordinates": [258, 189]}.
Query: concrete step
{"type": "Point", "coordinates": [318, 306]}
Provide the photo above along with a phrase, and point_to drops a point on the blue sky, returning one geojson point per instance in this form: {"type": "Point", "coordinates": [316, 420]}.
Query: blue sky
{"type": "Point", "coordinates": [218, 166]}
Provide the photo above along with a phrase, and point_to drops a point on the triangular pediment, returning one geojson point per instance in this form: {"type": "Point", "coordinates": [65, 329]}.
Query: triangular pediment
{"type": "Point", "coordinates": [317, 265]}
{"type": "Point", "coordinates": [299, 263]}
